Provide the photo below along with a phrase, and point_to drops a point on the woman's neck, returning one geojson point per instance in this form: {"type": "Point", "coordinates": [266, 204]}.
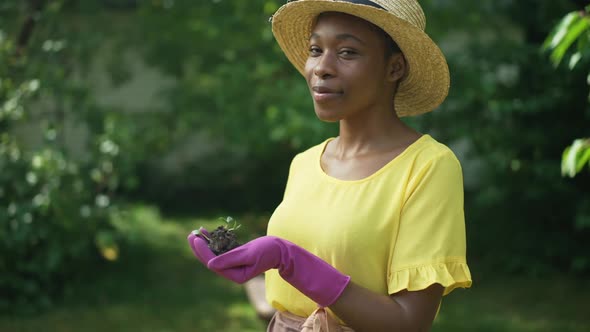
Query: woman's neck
{"type": "Point", "coordinates": [373, 133]}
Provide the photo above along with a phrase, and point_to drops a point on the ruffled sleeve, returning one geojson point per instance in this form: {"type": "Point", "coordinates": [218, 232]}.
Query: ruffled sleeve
{"type": "Point", "coordinates": [449, 274]}
{"type": "Point", "coordinates": [430, 246]}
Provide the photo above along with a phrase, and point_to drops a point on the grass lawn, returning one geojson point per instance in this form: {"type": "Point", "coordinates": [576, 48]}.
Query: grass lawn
{"type": "Point", "coordinates": [157, 286]}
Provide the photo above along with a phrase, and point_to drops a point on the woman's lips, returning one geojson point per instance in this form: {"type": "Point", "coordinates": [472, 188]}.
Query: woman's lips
{"type": "Point", "coordinates": [323, 93]}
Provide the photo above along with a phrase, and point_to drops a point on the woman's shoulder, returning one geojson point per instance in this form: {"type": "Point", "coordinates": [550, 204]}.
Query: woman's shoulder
{"type": "Point", "coordinates": [435, 163]}
{"type": "Point", "coordinates": [428, 149]}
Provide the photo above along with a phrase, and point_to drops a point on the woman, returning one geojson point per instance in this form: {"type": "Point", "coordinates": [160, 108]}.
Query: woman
{"type": "Point", "coordinates": [370, 233]}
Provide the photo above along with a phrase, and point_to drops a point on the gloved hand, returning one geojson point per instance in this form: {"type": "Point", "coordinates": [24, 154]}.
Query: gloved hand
{"type": "Point", "coordinates": [308, 273]}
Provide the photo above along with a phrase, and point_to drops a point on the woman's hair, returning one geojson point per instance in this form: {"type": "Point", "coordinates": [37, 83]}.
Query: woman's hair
{"type": "Point", "coordinates": [391, 47]}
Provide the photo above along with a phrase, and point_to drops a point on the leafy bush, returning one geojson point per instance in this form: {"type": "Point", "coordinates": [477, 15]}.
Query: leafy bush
{"type": "Point", "coordinates": [51, 227]}
{"type": "Point", "coordinates": [54, 215]}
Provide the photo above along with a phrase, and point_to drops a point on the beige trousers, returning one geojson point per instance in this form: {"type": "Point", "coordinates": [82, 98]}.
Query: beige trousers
{"type": "Point", "coordinates": [318, 321]}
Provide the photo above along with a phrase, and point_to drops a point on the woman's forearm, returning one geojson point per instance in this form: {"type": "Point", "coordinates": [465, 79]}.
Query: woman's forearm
{"type": "Point", "coordinates": [364, 310]}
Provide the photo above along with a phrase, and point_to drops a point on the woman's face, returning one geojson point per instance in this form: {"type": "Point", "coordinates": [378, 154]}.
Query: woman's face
{"type": "Point", "coordinates": [346, 69]}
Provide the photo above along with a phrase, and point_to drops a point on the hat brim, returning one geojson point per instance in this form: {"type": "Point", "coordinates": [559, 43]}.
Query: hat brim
{"type": "Point", "coordinates": [427, 82]}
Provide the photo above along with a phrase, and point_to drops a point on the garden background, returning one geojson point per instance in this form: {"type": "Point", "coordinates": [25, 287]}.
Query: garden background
{"type": "Point", "coordinates": [125, 124]}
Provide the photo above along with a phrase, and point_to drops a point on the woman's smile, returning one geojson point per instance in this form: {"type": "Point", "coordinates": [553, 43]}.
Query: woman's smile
{"type": "Point", "coordinates": [323, 93]}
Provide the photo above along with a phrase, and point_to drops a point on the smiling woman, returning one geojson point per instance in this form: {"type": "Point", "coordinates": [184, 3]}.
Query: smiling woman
{"type": "Point", "coordinates": [349, 47]}
{"type": "Point", "coordinates": [370, 233]}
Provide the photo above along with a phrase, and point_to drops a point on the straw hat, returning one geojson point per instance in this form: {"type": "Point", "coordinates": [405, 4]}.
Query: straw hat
{"type": "Point", "coordinates": [427, 83]}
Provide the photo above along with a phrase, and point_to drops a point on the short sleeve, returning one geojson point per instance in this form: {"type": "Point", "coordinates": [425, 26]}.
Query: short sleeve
{"type": "Point", "coordinates": [430, 246]}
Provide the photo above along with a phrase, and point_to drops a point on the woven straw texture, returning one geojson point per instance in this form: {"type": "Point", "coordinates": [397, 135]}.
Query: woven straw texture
{"type": "Point", "coordinates": [427, 82]}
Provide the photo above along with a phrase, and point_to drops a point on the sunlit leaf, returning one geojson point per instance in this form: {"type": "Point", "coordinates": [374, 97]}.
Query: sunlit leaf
{"type": "Point", "coordinates": [568, 163]}
{"type": "Point", "coordinates": [575, 58]}
{"type": "Point", "coordinates": [575, 157]}
{"type": "Point", "coordinates": [560, 31]}
{"type": "Point", "coordinates": [572, 33]}
{"type": "Point", "coordinates": [583, 159]}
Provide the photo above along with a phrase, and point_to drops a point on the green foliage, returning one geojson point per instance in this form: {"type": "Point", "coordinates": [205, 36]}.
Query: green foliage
{"type": "Point", "coordinates": [234, 82]}
{"type": "Point", "coordinates": [50, 222]}
{"type": "Point", "coordinates": [575, 157]}
{"type": "Point", "coordinates": [54, 219]}
{"type": "Point", "coordinates": [573, 28]}
{"type": "Point", "coordinates": [235, 89]}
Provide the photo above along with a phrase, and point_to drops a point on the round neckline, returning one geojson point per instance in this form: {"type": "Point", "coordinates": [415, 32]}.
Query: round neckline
{"type": "Point", "coordinates": [389, 164]}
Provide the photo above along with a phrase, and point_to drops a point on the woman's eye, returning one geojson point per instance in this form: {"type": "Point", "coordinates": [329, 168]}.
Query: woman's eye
{"type": "Point", "coordinates": [314, 50]}
{"type": "Point", "coordinates": [347, 53]}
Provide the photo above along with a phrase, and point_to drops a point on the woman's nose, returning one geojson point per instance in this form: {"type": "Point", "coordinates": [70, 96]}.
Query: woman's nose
{"type": "Point", "coordinates": [324, 67]}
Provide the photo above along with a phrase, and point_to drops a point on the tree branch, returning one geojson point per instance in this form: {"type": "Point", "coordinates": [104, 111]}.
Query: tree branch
{"type": "Point", "coordinates": [26, 31]}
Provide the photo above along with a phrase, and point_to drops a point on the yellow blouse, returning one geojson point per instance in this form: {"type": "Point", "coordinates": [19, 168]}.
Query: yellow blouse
{"type": "Point", "coordinates": [400, 228]}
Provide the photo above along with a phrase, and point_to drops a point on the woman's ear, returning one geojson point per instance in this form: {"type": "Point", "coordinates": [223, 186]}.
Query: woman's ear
{"type": "Point", "coordinates": [397, 67]}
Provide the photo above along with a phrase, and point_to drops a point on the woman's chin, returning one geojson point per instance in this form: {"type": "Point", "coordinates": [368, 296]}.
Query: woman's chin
{"type": "Point", "coordinates": [327, 116]}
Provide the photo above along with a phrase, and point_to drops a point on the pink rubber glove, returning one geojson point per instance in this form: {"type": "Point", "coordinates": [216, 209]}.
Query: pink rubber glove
{"type": "Point", "coordinates": [308, 273]}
